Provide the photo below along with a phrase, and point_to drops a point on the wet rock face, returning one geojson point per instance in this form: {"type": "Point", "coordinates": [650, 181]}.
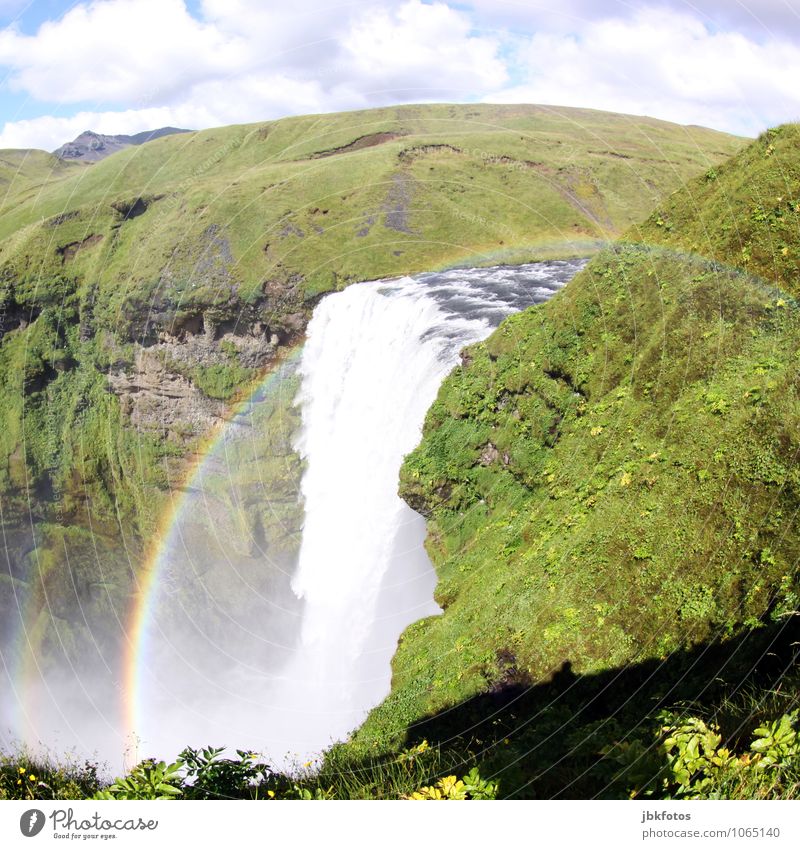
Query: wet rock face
{"type": "Point", "coordinates": [157, 392]}
{"type": "Point", "coordinates": [157, 399]}
{"type": "Point", "coordinates": [204, 342]}
{"type": "Point", "coordinates": [192, 352]}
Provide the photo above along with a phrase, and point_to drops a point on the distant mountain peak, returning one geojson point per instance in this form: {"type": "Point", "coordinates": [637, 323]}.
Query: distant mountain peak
{"type": "Point", "coordinates": [90, 146]}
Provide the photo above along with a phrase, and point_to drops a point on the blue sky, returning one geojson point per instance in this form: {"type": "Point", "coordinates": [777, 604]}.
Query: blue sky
{"type": "Point", "coordinates": [123, 66]}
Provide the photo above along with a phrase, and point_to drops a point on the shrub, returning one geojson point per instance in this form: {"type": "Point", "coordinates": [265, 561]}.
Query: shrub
{"type": "Point", "coordinates": [150, 779]}
{"type": "Point", "coordinates": [24, 775]}
{"type": "Point", "coordinates": [471, 786]}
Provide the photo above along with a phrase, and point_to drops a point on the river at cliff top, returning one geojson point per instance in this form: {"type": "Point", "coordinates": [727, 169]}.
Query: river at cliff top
{"type": "Point", "coordinates": [294, 566]}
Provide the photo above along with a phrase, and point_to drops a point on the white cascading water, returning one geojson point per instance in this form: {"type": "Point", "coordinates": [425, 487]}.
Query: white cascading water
{"type": "Point", "coordinates": [374, 360]}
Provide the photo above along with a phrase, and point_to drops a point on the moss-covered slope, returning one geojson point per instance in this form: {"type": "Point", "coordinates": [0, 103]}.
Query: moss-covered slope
{"type": "Point", "coordinates": [23, 173]}
{"type": "Point", "coordinates": [612, 477]}
{"type": "Point", "coordinates": [745, 212]}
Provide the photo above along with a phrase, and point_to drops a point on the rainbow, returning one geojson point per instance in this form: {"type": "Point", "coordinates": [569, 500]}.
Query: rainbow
{"type": "Point", "coordinates": [140, 612]}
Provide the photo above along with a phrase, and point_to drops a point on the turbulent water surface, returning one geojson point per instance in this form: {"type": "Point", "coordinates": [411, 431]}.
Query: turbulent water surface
{"type": "Point", "coordinates": [283, 588]}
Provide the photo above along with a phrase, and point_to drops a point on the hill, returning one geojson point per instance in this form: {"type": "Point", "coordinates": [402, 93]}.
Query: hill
{"type": "Point", "coordinates": [92, 147]}
{"type": "Point", "coordinates": [630, 543]}
{"type": "Point", "coordinates": [142, 295]}
{"type": "Point", "coordinates": [24, 172]}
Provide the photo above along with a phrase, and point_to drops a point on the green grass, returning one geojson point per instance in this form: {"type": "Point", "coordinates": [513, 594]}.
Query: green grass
{"type": "Point", "coordinates": [471, 182]}
{"type": "Point", "coordinates": [649, 421]}
{"type": "Point", "coordinates": [745, 212]}
{"type": "Point", "coordinates": [25, 775]}
{"type": "Point", "coordinates": [24, 173]}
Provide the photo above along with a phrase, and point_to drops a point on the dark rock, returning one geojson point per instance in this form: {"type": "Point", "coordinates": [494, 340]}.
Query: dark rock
{"type": "Point", "coordinates": [489, 455]}
{"type": "Point", "coordinates": [92, 147]}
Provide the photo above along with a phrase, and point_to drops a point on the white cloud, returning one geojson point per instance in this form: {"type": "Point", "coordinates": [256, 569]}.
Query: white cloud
{"type": "Point", "coordinates": [772, 19]}
{"type": "Point", "coordinates": [423, 48]}
{"type": "Point", "coordinates": [662, 64]}
{"type": "Point", "coordinates": [300, 34]}
{"type": "Point", "coordinates": [117, 51]}
{"type": "Point", "coordinates": [245, 61]}
{"type": "Point", "coordinates": [213, 104]}
{"type": "Point", "coordinates": [146, 63]}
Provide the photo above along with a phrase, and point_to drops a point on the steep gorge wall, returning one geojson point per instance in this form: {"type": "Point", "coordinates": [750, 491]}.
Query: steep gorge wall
{"type": "Point", "coordinates": [612, 478]}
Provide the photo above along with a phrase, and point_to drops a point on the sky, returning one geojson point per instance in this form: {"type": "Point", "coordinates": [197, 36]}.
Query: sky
{"type": "Point", "coordinates": [123, 66]}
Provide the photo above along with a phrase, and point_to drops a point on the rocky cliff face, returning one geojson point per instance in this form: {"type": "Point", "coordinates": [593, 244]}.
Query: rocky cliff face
{"type": "Point", "coordinates": [153, 398]}
{"type": "Point", "coordinates": [92, 147]}
{"type": "Point", "coordinates": [114, 423]}
{"type": "Point", "coordinates": [159, 390]}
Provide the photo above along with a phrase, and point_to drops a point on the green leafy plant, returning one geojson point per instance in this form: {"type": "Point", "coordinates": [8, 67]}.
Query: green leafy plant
{"type": "Point", "coordinates": [210, 776]}
{"type": "Point", "coordinates": [316, 794]}
{"type": "Point", "coordinates": [150, 779]}
{"type": "Point", "coordinates": [689, 761]}
{"type": "Point", "coordinates": [471, 786]}
{"type": "Point", "coordinates": [694, 757]}
{"type": "Point", "coordinates": [777, 743]}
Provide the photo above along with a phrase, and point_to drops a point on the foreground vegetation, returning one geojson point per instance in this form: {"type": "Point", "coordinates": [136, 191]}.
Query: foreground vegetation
{"type": "Point", "coordinates": [622, 734]}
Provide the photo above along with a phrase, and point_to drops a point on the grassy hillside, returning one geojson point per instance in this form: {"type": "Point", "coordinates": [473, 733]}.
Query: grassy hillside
{"type": "Point", "coordinates": [351, 196]}
{"type": "Point", "coordinates": [612, 486]}
{"type": "Point", "coordinates": [744, 212]}
{"type": "Point", "coordinates": [140, 295]}
{"type": "Point", "coordinates": [24, 173]}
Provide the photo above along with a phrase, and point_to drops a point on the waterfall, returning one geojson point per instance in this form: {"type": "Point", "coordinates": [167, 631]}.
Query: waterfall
{"type": "Point", "coordinates": [375, 357]}
{"type": "Point", "coordinates": [371, 367]}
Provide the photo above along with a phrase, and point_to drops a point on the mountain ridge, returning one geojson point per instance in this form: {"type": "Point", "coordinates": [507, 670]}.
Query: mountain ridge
{"type": "Point", "coordinates": [90, 146]}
